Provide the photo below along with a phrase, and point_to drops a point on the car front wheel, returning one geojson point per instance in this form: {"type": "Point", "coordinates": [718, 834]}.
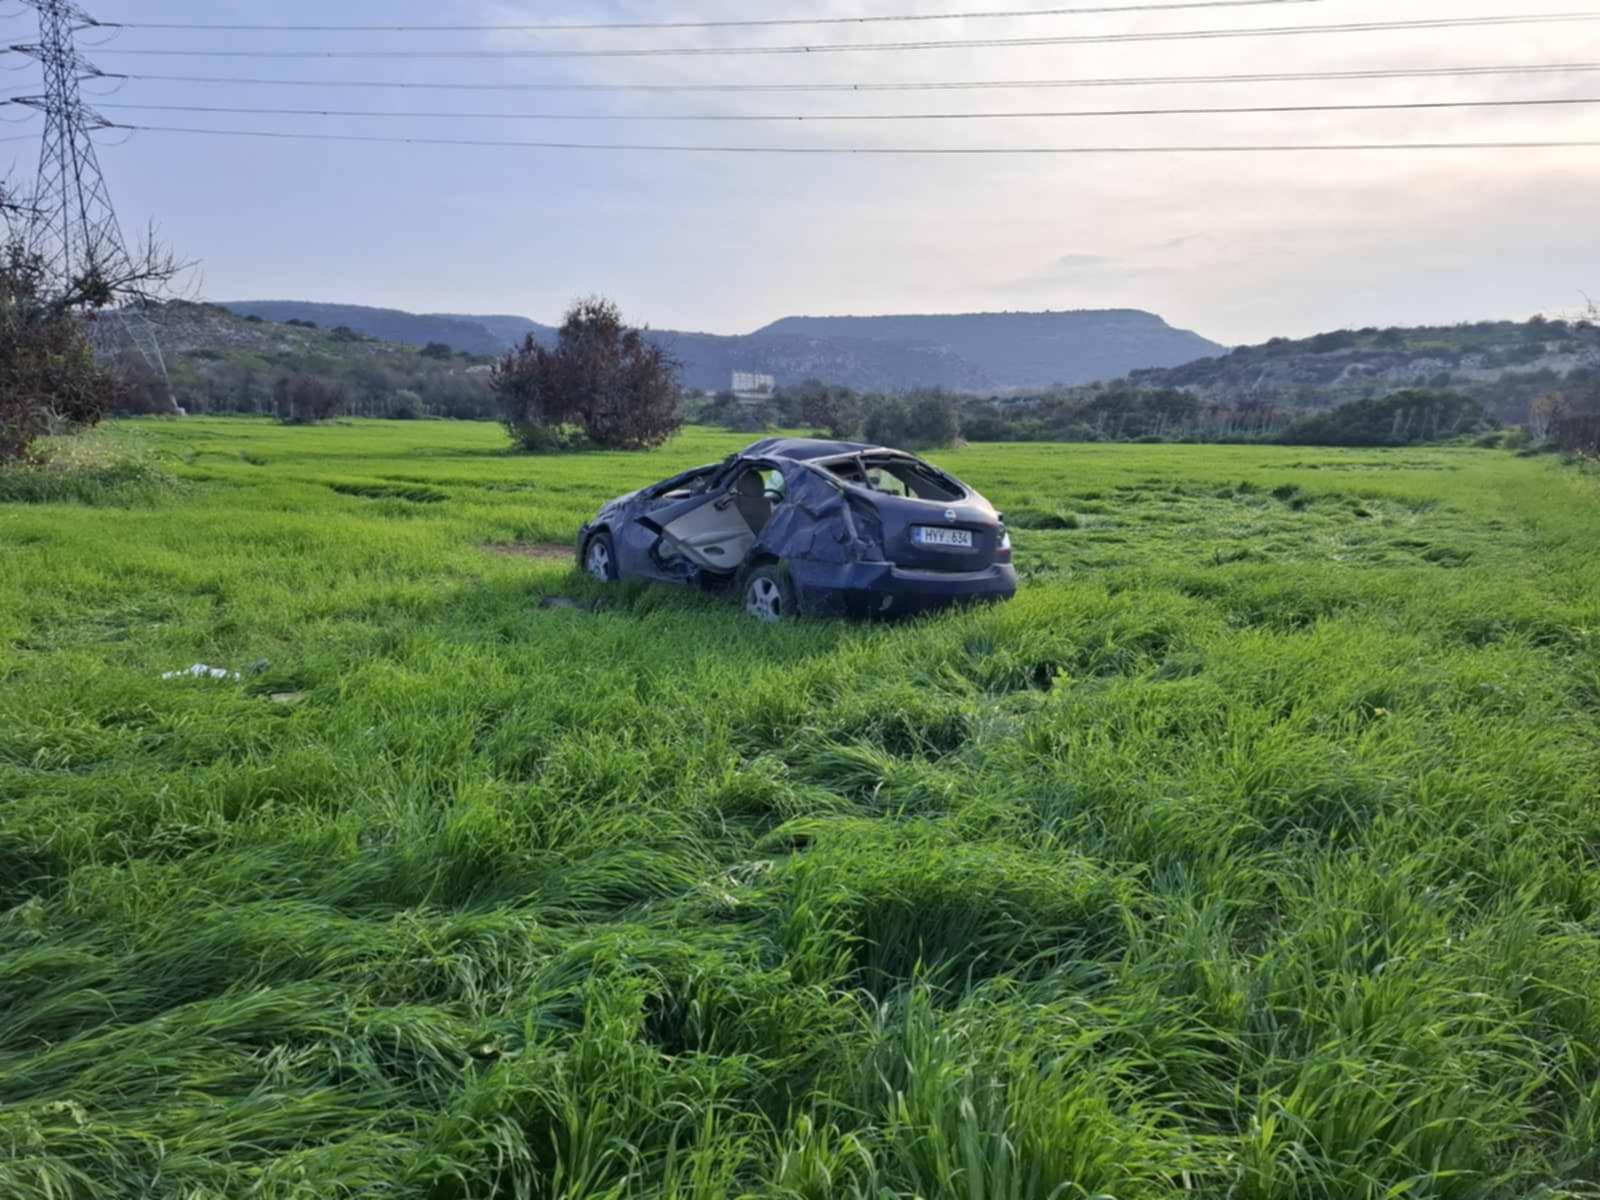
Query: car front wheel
{"type": "Point", "coordinates": [768, 594]}
{"type": "Point", "coordinates": [600, 558]}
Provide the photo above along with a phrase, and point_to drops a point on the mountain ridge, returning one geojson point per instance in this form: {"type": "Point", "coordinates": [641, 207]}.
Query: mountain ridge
{"type": "Point", "coordinates": [977, 352]}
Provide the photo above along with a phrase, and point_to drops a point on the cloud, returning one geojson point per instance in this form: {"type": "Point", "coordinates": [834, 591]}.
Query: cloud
{"type": "Point", "coordinates": [1177, 243]}
{"type": "Point", "coordinates": [1071, 263]}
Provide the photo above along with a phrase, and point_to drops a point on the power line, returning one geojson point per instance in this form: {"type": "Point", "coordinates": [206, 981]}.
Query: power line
{"type": "Point", "coordinates": [1247, 110]}
{"type": "Point", "coordinates": [1282, 148]}
{"type": "Point", "coordinates": [915, 86]}
{"type": "Point", "coordinates": [751, 23]}
{"type": "Point", "coordinates": [1095, 39]}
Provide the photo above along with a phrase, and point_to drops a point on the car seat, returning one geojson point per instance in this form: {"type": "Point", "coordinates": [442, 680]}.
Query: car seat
{"type": "Point", "coordinates": [751, 496]}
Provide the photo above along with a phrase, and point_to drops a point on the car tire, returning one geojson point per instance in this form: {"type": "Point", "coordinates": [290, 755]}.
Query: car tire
{"type": "Point", "coordinates": [768, 594]}
{"type": "Point", "coordinates": [600, 559]}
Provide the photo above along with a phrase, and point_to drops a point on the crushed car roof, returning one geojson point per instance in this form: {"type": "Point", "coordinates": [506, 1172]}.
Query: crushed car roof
{"type": "Point", "coordinates": [806, 449]}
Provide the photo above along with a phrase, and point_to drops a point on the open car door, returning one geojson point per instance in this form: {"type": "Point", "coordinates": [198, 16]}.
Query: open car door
{"type": "Point", "coordinates": [717, 530]}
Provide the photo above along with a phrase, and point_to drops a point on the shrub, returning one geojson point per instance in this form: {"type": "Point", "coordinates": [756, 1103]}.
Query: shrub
{"type": "Point", "coordinates": [407, 406]}
{"type": "Point", "coordinates": [308, 399]}
{"type": "Point", "coordinates": [96, 470]}
{"type": "Point", "coordinates": [49, 380]}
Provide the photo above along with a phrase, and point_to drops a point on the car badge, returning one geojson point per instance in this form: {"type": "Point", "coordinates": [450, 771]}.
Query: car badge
{"type": "Point", "coordinates": [949, 514]}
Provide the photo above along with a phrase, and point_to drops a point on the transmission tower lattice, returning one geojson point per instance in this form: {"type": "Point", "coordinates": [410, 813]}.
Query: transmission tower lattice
{"type": "Point", "coordinates": [74, 228]}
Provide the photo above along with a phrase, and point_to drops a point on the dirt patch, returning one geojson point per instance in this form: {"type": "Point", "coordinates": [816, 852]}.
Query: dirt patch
{"type": "Point", "coordinates": [539, 552]}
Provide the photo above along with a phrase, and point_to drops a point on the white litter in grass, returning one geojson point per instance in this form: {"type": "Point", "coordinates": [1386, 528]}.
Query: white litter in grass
{"type": "Point", "coordinates": [202, 671]}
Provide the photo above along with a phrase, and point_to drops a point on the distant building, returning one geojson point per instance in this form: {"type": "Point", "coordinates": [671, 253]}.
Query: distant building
{"type": "Point", "coordinates": [749, 386]}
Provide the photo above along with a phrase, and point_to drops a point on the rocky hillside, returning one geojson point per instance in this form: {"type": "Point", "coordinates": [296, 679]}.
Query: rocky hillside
{"type": "Point", "coordinates": [221, 361]}
{"type": "Point", "coordinates": [467, 334]}
{"type": "Point", "coordinates": [1503, 364]}
{"type": "Point", "coordinates": [977, 352]}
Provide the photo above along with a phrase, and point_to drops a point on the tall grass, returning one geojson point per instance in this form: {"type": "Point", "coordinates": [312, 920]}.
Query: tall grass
{"type": "Point", "coordinates": [1249, 853]}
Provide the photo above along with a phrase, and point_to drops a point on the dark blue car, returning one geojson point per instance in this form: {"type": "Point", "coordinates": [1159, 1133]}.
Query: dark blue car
{"type": "Point", "coordinates": [802, 526]}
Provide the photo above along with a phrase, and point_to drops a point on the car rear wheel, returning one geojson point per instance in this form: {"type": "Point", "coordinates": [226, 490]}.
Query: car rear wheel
{"type": "Point", "coordinates": [768, 594]}
{"type": "Point", "coordinates": [600, 558]}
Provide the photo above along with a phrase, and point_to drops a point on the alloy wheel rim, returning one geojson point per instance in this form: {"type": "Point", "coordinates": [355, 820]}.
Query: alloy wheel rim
{"type": "Point", "coordinates": [600, 562]}
{"type": "Point", "coordinates": [764, 601]}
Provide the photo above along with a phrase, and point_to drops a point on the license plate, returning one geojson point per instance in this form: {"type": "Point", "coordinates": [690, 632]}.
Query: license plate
{"type": "Point", "coordinates": [955, 539]}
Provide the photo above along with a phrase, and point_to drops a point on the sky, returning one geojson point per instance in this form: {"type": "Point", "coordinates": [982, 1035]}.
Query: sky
{"type": "Point", "coordinates": [1239, 247]}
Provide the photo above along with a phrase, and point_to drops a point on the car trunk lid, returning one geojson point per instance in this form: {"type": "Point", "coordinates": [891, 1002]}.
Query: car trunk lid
{"type": "Point", "coordinates": [931, 535]}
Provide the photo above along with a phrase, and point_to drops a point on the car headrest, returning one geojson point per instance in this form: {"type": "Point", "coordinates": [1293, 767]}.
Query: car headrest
{"type": "Point", "coordinates": [751, 484]}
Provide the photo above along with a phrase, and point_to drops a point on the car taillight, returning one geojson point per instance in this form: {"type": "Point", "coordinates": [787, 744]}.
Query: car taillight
{"type": "Point", "coordinates": [1003, 554]}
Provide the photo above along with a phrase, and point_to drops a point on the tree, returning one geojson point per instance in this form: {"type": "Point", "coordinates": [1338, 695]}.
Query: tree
{"type": "Point", "coordinates": [935, 420]}
{"type": "Point", "coordinates": [888, 421]}
{"type": "Point", "coordinates": [437, 350]}
{"type": "Point", "coordinates": [308, 399]}
{"type": "Point", "coordinates": [1405, 418]}
{"type": "Point", "coordinates": [836, 411]}
{"type": "Point", "coordinates": [50, 381]}
{"type": "Point", "coordinates": [1569, 419]}
{"type": "Point", "coordinates": [605, 383]}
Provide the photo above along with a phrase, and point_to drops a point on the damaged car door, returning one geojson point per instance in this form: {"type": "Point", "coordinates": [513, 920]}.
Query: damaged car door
{"type": "Point", "coordinates": [715, 531]}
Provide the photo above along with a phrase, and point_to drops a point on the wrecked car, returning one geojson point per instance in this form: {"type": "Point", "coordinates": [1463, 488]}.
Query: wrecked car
{"type": "Point", "coordinates": [800, 526]}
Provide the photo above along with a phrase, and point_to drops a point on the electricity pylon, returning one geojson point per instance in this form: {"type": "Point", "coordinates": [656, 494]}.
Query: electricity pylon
{"type": "Point", "coordinates": [74, 229]}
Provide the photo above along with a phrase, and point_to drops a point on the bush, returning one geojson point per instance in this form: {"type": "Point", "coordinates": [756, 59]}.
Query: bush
{"type": "Point", "coordinates": [96, 470]}
{"type": "Point", "coordinates": [308, 399]}
{"type": "Point", "coordinates": [406, 406]}
{"type": "Point", "coordinates": [49, 380]}
{"type": "Point", "coordinates": [605, 383]}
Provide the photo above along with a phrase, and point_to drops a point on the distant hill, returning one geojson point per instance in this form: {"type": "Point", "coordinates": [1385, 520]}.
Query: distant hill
{"type": "Point", "coordinates": [470, 335]}
{"type": "Point", "coordinates": [1502, 364]}
{"type": "Point", "coordinates": [979, 352]}
{"type": "Point", "coordinates": [1025, 349]}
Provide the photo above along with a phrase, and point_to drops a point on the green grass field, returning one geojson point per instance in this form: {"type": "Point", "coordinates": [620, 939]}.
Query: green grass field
{"type": "Point", "coordinates": [1251, 852]}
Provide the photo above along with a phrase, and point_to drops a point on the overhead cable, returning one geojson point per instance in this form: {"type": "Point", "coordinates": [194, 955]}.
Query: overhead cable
{"type": "Point", "coordinates": [1088, 39]}
{"type": "Point", "coordinates": [908, 86]}
{"type": "Point", "coordinates": [1246, 110]}
{"type": "Point", "coordinates": [903, 151]}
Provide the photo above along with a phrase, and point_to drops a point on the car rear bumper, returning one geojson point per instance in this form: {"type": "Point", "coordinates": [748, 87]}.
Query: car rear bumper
{"type": "Point", "coordinates": [883, 589]}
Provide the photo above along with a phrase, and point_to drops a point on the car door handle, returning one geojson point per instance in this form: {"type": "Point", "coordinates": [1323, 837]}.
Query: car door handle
{"type": "Point", "coordinates": [723, 503]}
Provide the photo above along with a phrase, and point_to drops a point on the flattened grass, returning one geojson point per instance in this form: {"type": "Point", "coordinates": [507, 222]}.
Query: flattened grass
{"type": "Point", "coordinates": [1250, 852]}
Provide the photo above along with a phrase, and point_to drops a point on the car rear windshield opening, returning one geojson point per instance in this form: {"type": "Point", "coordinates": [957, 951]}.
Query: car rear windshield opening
{"type": "Point", "coordinates": [898, 477]}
